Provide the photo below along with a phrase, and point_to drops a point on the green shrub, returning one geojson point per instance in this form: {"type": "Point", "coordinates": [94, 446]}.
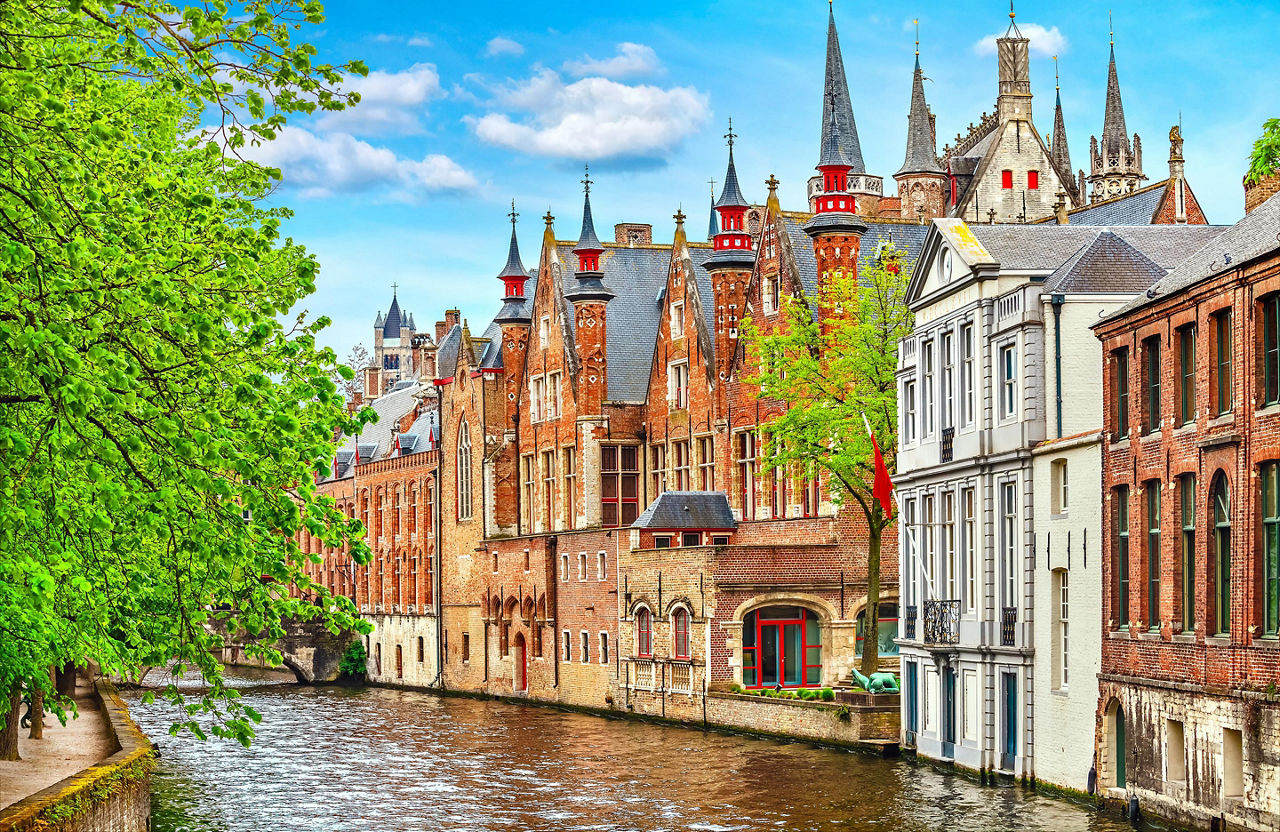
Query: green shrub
{"type": "Point", "coordinates": [355, 660]}
{"type": "Point", "coordinates": [828, 695]}
{"type": "Point", "coordinates": [808, 695]}
{"type": "Point", "coordinates": [736, 688]}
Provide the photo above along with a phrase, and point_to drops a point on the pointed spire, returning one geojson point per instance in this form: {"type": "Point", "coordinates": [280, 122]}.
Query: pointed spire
{"type": "Point", "coordinates": [922, 155]}
{"type": "Point", "coordinates": [587, 239]}
{"type": "Point", "coordinates": [590, 277]}
{"type": "Point", "coordinates": [513, 278]}
{"type": "Point", "coordinates": [391, 324]}
{"type": "Point", "coordinates": [731, 196]}
{"type": "Point", "coordinates": [514, 266]}
{"type": "Point", "coordinates": [1115, 138]}
{"type": "Point", "coordinates": [837, 109]}
{"type": "Point", "coordinates": [1058, 148]}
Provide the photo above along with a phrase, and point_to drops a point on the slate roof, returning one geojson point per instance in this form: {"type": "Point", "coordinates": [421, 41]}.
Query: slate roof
{"type": "Point", "coordinates": [391, 326]}
{"type": "Point", "coordinates": [904, 235]}
{"type": "Point", "coordinates": [587, 239]}
{"type": "Point", "coordinates": [836, 90]}
{"type": "Point", "coordinates": [1059, 150]}
{"type": "Point", "coordinates": [491, 356]}
{"type": "Point", "coordinates": [921, 148]}
{"type": "Point", "coordinates": [1106, 264]}
{"type": "Point", "coordinates": [374, 442]}
{"type": "Point", "coordinates": [1250, 238]}
{"type": "Point", "coordinates": [447, 352]}
{"type": "Point", "coordinates": [1137, 208]}
{"type": "Point", "coordinates": [1036, 247]}
{"type": "Point", "coordinates": [513, 268]}
{"type": "Point", "coordinates": [731, 196]}
{"type": "Point", "coordinates": [688, 510]}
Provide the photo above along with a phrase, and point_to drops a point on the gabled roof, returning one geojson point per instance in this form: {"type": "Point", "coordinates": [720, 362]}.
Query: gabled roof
{"type": "Point", "coordinates": [688, 510]}
{"type": "Point", "coordinates": [1045, 247]}
{"type": "Point", "coordinates": [1106, 264]}
{"type": "Point", "coordinates": [1252, 237]}
{"type": "Point", "coordinates": [1137, 208]}
{"type": "Point", "coordinates": [374, 442]}
{"type": "Point", "coordinates": [447, 352]}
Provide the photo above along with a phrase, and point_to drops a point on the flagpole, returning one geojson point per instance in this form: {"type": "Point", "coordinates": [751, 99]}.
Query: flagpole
{"type": "Point", "coordinates": [911, 541]}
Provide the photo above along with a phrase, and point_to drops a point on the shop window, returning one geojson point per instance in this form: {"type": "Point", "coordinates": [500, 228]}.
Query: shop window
{"type": "Point", "coordinates": [781, 646]}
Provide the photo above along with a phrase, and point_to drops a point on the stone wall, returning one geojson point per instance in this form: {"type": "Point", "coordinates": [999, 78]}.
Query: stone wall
{"type": "Point", "coordinates": [112, 796]}
{"type": "Point", "coordinates": [873, 726]}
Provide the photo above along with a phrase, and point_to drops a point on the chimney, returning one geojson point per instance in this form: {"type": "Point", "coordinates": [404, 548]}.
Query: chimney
{"type": "Point", "coordinates": [633, 234]}
{"type": "Point", "coordinates": [452, 317]}
{"type": "Point", "coordinates": [1256, 193]}
{"type": "Point", "coordinates": [441, 329]}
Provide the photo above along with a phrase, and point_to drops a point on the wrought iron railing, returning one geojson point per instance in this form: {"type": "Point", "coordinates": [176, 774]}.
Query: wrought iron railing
{"type": "Point", "coordinates": [947, 448]}
{"type": "Point", "coordinates": [909, 622]}
{"type": "Point", "coordinates": [942, 622]}
{"type": "Point", "coordinates": [1008, 618]}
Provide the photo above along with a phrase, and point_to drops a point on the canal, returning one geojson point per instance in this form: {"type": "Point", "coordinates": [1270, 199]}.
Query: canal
{"type": "Point", "coordinates": [328, 759]}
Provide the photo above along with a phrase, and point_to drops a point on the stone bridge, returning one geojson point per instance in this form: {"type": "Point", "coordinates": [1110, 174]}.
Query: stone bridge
{"type": "Point", "coordinates": [308, 649]}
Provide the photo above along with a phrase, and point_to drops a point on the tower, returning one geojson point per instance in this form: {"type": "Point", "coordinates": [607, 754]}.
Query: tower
{"type": "Point", "coordinates": [921, 179]}
{"type": "Point", "coordinates": [1014, 101]}
{"type": "Point", "coordinates": [837, 110]}
{"type": "Point", "coordinates": [392, 348]}
{"type": "Point", "coordinates": [1058, 150]}
{"type": "Point", "coordinates": [730, 265]}
{"type": "Point", "coordinates": [513, 319]}
{"type": "Point", "coordinates": [1115, 165]}
{"type": "Point", "coordinates": [835, 229]}
{"type": "Point", "coordinates": [589, 298]}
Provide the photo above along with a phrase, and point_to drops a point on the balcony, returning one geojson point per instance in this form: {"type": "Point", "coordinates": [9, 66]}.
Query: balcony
{"type": "Point", "coordinates": [909, 623]}
{"type": "Point", "coordinates": [942, 622]}
{"type": "Point", "coordinates": [1008, 620]}
{"type": "Point", "coordinates": [681, 677]}
{"type": "Point", "coordinates": [947, 448]}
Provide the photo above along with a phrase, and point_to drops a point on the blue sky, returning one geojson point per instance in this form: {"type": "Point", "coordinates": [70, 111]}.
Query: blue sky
{"type": "Point", "coordinates": [469, 105]}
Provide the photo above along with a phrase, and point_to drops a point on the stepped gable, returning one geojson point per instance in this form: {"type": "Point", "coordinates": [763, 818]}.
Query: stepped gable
{"type": "Point", "coordinates": [637, 275]}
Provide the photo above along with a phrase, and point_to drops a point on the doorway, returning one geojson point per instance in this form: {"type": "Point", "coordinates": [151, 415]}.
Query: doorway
{"type": "Point", "coordinates": [522, 664]}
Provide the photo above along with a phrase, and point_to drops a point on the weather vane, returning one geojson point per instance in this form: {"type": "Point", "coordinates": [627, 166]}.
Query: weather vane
{"type": "Point", "coordinates": [586, 179]}
{"type": "Point", "coordinates": [731, 135]}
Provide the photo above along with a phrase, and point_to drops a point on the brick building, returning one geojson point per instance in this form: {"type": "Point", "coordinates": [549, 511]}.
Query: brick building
{"type": "Point", "coordinates": [1188, 721]}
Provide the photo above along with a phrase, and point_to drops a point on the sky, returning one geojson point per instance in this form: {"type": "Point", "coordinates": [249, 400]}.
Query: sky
{"type": "Point", "coordinates": [470, 105]}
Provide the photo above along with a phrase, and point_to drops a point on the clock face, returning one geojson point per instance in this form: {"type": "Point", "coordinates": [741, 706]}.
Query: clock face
{"type": "Point", "coordinates": [946, 265]}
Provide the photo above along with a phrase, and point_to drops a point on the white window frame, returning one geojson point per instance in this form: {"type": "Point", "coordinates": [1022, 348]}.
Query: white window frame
{"type": "Point", "coordinates": [966, 374]}
{"type": "Point", "coordinates": [582, 566]}
{"type": "Point", "coordinates": [567, 647]}
{"type": "Point", "coordinates": [1010, 540]}
{"type": "Point", "coordinates": [553, 396]}
{"type": "Point", "coordinates": [948, 380]}
{"type": "Point", "coordinates": [927, 415]}
{"type": "Point", "coordinates": [677, 319]}
{"type": "Point", "coordinates": [1009, 408]}
{"type": "Point", "coordinates": [678, 384]}
{"type": "Point", "coordinates": [969, 540]}
{"type": "Point", "coordinates": [585, 647]}
{"type": "Point", "coordinates": [909, 411]}
{"type": "Point", "coordinates": [544, 331]}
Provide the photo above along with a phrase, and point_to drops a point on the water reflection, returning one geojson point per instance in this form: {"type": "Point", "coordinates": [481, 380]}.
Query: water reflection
{"type": "Point", "coordinates": [370, 759]}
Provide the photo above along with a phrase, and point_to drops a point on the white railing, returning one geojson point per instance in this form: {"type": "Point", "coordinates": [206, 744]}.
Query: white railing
{"type": "Point", "coordinates": [1008, 306]}
{"type": "Point", "coordinates": [646, 675]}
{"type": "Point", "coordinates": [681, 678]}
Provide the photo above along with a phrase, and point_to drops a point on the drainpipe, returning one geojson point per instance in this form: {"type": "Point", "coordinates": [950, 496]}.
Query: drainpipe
{"type": "Point", "coordinates": [551, 548]}
{"type": "Point", "coordinates": [436, 583]}
{"type": "Point", "coordinates": [1057, 300]}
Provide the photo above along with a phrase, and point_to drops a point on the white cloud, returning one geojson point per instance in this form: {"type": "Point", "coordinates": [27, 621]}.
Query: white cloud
{"type": "Point", "coordinates": [419, 41]}
{"type": "Point", "coordinates": [390, 102]}
{"type": "Point", "coordinates": [325, 164]}
{"type": "Point", "coordinates": [502, 46]}
{"type": "Point", "coordinates": [632, 59]}
{"type": "Point", "coordinates": [415, 40]}
{"type": "Point", "coordinates": [593, 118]}
{"type": "Point", "coordinates": [1047, 42]}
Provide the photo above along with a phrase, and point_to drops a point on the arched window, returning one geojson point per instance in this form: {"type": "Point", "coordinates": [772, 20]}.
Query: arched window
{"type": "Point", "coordinates": [464, 472]}
{"type": "Point", "coordinates": [680, 632]}
{"type": "Point", "coordinates": [1221, 502]}
{"type": "Point", "coordinates": [781, 646]}
{"type": "Point", "coordinates": [644, 633]}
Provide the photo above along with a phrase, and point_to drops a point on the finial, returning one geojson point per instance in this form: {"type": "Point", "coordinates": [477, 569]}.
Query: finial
{"type": "Point", "coordinates": [547, 218]}
{"type": "Point", "coordinates": [586, 179]}
{"type": "Point", "coordinates": [731, 135]}
{"type": "Point", "coordinates": [772, 183]}
{"type": "Point", "coordinates": [678, 216]}
{"type": "Point", "coordinates": [394, 286]}
{"type": "Point", "coordinates": [712, 183]}
{"type": "Point", "coordinates": [1112, 27]}
{"type": "Point", "coordinates": [513, 213]}
{"type": "Point", "coordinates": [1011, 9]}
{"type": "Point", "coordinates": [1055, 73]}
{"type": "Point", "coordinates": [917, 22]}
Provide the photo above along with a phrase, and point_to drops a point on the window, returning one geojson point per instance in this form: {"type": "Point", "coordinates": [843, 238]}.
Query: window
{"type": "Point", "coordinates": [1222, 350]}
{"type": "Point", "coordinates": [1187, 373]}
{"type": "Point", "coordinates": [553, 396]}
{"type": "Point", "coordinates": [644, 633]}
{"type": "Point", "coordinates": [1006, 179]}
{"type": "Point", "coordinates": [1270, 549]}
{"type": "Point", "coordinates": [1222, 555]}
{"type": "Point", "coordinates": [604, 648]}
{"type": "Point", "coordinates": [910, 534]}
{"type": "Point", "coordinates": [582, 566]}
{"type": "Point", "coordinates": [662, 541]}
{"type": "Point", "coordinates": [781, 645]}
{"type": "Point", "coordinates": [909, 414]}
{"type": "Point", "coordinates": [1009, 541]}
{"type": "Point", "coordinates": [527, 563]}
{"type": "Point", "coordinates": [602, 566]}
{"type": "Point", "coordinates": [619, 485]}
{"type": "Point", "coordinates": [1062, 642]}
{"type": "Point", "coordinates": [810, 498]}
{"type": "Point", "coordinates": [678, 385]}
{"type": "Point", "coordinates": [949, 542]}
{"type": "Point", "coordinates": [570, 488]}
{"type": "Point", "coordinates": [680, 629]}
{"type": "Point", "coordinates": [772, 299]}
{"type": "Point", "coordinates": [1187, 494]}
{"type": "Point", "coordinates": [527, 510]}
{"type": "Point", "coordinates": [495, 563]}
{"type": "Point", "coordinates": [969, 540]}
{"type": "Point", "coordinates": [421, 651]}
{"type": "Point", "coordinates": [747, 474]}
{"type": "Point", "coordinates": [537, 398]}
{"type": "Point", "coordinates": [691, 539]}
{"type": "Point", "coordinates": [1009, 381]}
{"type": "Point", "coordinates": [719, 540]}
{"type": "Point", "coordinates": [464, 472]}
{"type": "Point", "coordinates": [886, 629]}
{"type": "Point", "coordinates": [658, 469]}
{"type": "Point", "coordinates": [677, 319]}
{"type": "Point", "coordinates": [1033, 180]}
{"type": "Point", "coordinates": [1122, 556]}
{"type": "Point", "coordinates": [566, 650]}
{"type": "Point", "coordinates": [948, 381]}
{"type": "Point", "coordinates": [1176, 747]}
{"type": "Point", "coordinates": [399, 662]}
{"type": "Point", "coordinates": [706, 464]}
{"type": "Point", "coordinates": [1232, 763]}
{"type": "Point", "coordinates": [966, 374]}
{"type": "Point", "coordinates": [1058, 475]}
{"type": "Point", "coordinates": [1271, 350]}
{"type": "Point", "coordinates": [1151, 351]}
{"type": "Point", "coordinates": [1153, 554]}
{"type": "Point", "coordinates": [928, 542]}
{"type": "Point", "coordinates": [926, 405]}
{"type": "Point", "coordinates": [586, 647]}
{"type": "Point", "coordinates": [548, 490]}
{"type": "Point", "coordinates": [466, 647]}
{"type": "Point", "coordinates": [544, 331]}
{"type": "Point", "coordinates": [1121, 382]}
{"type": "Point", "coordinates": [777, 492]}
{"type": "Point", "coordinates": [680, 450]}
{"type": "Point", "coordinates": [564, 566]}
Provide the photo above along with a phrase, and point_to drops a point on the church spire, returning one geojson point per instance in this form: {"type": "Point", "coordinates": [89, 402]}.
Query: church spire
{"type": "Point", "coordinates": [589, 248]}
{"type": "Point", "coordinates": [713, 227]}
{"type": "Point", "coordinates": [513, 277]}
{"type": "Point", "coordinates": [733, 241]}
{"type": "Point", "coordinates": [837, 109]}
{"type": "Point", "coordinates": [1115, 164]}
{"type": "Point", "coordinates": [1058, 149]}
{"type": "Point", "coordinates": [1115, 138]}
{"type": "Point", "coordinates": [922, 154]}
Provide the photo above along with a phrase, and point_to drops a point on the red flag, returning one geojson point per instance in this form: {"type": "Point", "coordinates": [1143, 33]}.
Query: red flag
{"type": "Point", "coordinates": [883, 488]}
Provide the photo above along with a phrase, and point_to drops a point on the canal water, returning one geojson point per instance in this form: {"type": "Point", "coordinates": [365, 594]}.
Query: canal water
{"type": "Point", "coordinates": [329, 759]}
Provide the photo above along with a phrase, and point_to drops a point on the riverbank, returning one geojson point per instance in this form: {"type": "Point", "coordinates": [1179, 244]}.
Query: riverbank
{"type": "Point", "coordinates": [93, 775]}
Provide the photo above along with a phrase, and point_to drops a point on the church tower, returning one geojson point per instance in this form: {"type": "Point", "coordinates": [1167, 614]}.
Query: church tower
{"type": "Point", "coordinates": [730, 265]}
{"type": "Point", "coordinates": [589, 297]}
{"type": "Point", "coordinates": [921, 179]}
{"type": "Point", "coordinates": [392, 349]}
{"type": "Point", "coordinates": [1115, 165]}
{"type": "Point", "coordinates": [835, 228]}
{"type": "Point", "coordinates": [1058, 150]}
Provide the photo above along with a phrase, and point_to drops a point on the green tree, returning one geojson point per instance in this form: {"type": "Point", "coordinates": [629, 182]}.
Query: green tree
{"type": "Point", "coordinates": [831, 362]}
{"type": "Point", "coordinates": [1264, 161]}
{"type": "Point", "coordinates": [164, 408]}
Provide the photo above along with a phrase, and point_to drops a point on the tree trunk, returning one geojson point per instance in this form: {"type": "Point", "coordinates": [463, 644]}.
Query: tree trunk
{"type": "Point", "coordinates": [67, 680]}
{"type": "Point", "coordinates": [9, 734]}
{"type": "Point", "coordinates": [37, 711]}
{"type": "Point", "coordinates": [871, 628]}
